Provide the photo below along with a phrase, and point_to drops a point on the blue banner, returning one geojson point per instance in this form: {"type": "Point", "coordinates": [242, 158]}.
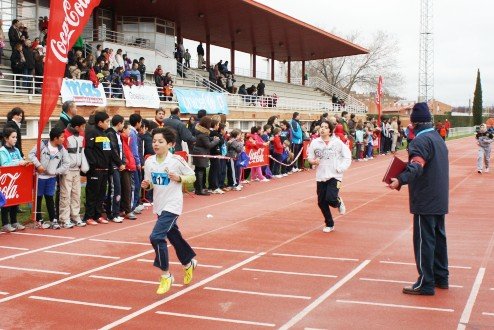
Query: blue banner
{"type": "Point", "coordinates": [191, 101]}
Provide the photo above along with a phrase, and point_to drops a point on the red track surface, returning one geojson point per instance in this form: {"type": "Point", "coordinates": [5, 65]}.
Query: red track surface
{"type": "Point", "coordinates": [350, 278]}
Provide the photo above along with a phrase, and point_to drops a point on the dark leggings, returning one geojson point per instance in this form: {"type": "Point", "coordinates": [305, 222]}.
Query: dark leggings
{"type": "Point", "coordinates": [9, 211]}
{"type": "Point", "coordinates": [50, 206]}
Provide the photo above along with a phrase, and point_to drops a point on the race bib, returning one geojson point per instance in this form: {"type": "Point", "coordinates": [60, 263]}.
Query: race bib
{"type": "Point", "coordinates": [106, 146]}
{"type": "Point", "coordinates": [160, 178]}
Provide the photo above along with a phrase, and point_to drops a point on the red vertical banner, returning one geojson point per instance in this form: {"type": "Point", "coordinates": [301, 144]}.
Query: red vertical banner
{"type": "Point", "coordinates": [378, 103]}
{"type": "Point", "coordinates": [67, 20]}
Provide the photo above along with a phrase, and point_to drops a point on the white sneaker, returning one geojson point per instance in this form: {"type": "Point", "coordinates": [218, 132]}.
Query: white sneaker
{"type": "Point", "coordinates": [245, 182]}
{"type": "Point", "coordinates": [294, 170]}
{"type": "Point", "coordinates": [479, 171]}
{"type": "Point", "coordinates": [68, 224]}
{"type": "Point", "coordinates": [80, 223]}
{"type": "Point", "coordinates": [148, 204]}
{"type": "Point", "coordinates": [265, 180]}
{"type": "Point", "coordinates": [8, 228]}
{"type": "Point", "coordinates": [342, 207]}
{"type": "Point", "coordinates": [237, 188]}
{"type": "Point", "coordinates": [257, 179]}
{"type": "Point", "coordinates": [18, 226]}
{"type": "Point", "coordinates": [46, 225]}
{"type": "Point", "coordinates": [55, 225]}
{"type": "Point", "coordinates": [486, 170]}
{"type": "Point", "coordinates": [139, 208]}
{"type": "Point", "coordinates": [218, 191]}
{"type": "Point", "coordinates": [118, 219]}
{"type": "Point", "coordinates": [284, 174]}
{"type": "Point", "coordinates": [278, 176]}
{"type": "Point", "coordinates": [328, 229]}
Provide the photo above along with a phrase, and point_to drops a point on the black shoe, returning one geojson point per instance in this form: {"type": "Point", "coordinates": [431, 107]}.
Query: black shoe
{"type": "Point", "coordinates": [202, 193]}
{"type": "Point", "coordinates": [444, 286]}
{"type": "Point", "coordinates": [412, 291]}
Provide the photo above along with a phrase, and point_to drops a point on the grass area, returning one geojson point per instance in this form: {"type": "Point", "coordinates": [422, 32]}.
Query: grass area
{"type": "Point", "coordinates": [459, 136]}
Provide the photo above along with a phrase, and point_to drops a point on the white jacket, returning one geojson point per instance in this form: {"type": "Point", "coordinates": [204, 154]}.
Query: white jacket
{"type": "Point", "coordinates": [335, 158]}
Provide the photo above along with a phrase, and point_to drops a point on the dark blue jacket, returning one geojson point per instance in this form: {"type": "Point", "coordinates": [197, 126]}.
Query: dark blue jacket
{"type": "Point", "coordinates": [428, 185]}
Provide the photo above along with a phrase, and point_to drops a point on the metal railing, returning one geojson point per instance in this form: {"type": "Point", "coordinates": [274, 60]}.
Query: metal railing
{"type": "Point", "coordinates": [103, 34]}
{"type": "Point", "coordinates": [458, 131]}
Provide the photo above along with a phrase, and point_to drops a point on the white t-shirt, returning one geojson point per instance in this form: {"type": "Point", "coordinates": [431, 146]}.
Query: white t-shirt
{"type": "Point", "coordinates": [335, 158]}
{"type": "Point", "coordinates": [167, 194]}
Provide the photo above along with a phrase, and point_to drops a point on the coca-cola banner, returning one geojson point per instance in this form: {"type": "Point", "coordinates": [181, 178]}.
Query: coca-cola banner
{"type": "Point", "coordinates": [16, 184]}
{"type": "Point", "coordinates": [258, 157]}
{"type": "Point", "coordinates": [67, 21]}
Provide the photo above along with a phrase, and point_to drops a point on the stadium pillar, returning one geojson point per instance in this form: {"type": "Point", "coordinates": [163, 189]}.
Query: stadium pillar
{"type": "Point", "coordinates": [179, 33]}
{"type": "Point", "coordinates": [232, 57]}
{"type": "Point", "coordinates": [272, 66]}
{"type": "Point", "coordinates": [289, 73]}
{"type": "Point", "coordinates": [254, 60]}
{"type": "Point", "coordinates": [303, 73]}
{"type": "Point", "coordinates": [208, 51]}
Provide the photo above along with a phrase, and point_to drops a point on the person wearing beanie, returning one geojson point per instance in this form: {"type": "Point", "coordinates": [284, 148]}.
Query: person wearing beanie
{"type": "Point", "coordinates": [427, 175]}
{"type": "Point", "coordinates": [70, 182]}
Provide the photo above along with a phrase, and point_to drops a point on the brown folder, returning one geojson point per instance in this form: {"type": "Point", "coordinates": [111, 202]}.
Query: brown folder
{"type": "Point", "coordinates": [396, 166]}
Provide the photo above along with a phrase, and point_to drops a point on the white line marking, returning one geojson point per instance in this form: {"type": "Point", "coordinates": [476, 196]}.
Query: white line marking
{"type": "Point", "coordinates": [43, 235]}
{"type": "Point", "coordinates": [76, 302]}
{"type": "Point", "coordinates": [82, 255]}
{"type": "Point", "coordinates": [122, 279]}
{"type": "Point", "coordinates": [256, 293]}
{"type": "Point", "coordinates": [13, 248]}
{"type": "Point", "coordinates": [465, 316]}
{"type": "Point", "coordinates": [119, 242]}
{"type": "Point", "coordinates": [222, 250]}
{"type": "Point", "coordinates": [41, 249]}
{"type": "Point", "coordinates": [492, 289]}
{"type": "Point", "coordinates": [286, 273]}
{"type": "Point", "coordinates": [180, 293]}
{"type": "Point", "coordinates": [217, 319]}
{"type": "Point", "coordinates": [178, 263]}
{"type": "Point", "coordinates": [3, 293]}
{"type": "Point", "coordinates": [35, 270]}
{"type": "Point", "coordinates": [401, 282]}
{"type": "Point", "coordinates": [449, 310]}
{"type": "Point", "coordinates": [311, 257]}
{"type": "Point", "coordinates": [314, 329]}
{"type": "Point", "coordinates": [413, 264]}
{"type": "Point", "coordinates": [488, 314]}
{"type": "Point", "coordinates": [294, 320]}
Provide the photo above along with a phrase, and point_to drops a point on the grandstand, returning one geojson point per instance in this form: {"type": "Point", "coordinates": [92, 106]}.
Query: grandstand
{"type": "Point", "coordinates": [151, 32]}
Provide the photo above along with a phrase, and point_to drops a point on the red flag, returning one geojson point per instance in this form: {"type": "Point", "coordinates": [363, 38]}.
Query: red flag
{"type": "Point", "coordinates": [67, 20]}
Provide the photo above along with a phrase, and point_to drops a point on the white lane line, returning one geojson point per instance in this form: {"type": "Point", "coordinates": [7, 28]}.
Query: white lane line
{"type": "Point", "coordinates": [118, 242]}
{"type": "Point", "coordinates": [412, 264]}
{"type": "Point", "coordinates": [465, 316]}
{"type": "Point", "coordinates": [256, 293]}
{"type": "Point", "coordinates": [82, 254]}
{"type": "Point", "coordinates": [191, 316]}
{"type": "Point", "coordinates": [222, 250]}
{"type": "Point", "coordinates": [400, 282]}
{"type": "Point", "coordinates": [294, 320]}
{"type": "Point", "coordinates": [488, 314]}
{"type": "Point", "coordinates": [287, 273]}
{"type": "Point", "coordinates": [41, 249]}
{"type": "Point", "coordinates": [180, 293]}
{"type": "Point", "coordinates": [3, 293]}
{"type": "Point", "coordinates": [35, 270]}
{"type": "Point", "coordinates": [76, 302]}
{"type": "Point", "coordinates": [13, 248]}
{"type": "Point", "coordinates": [449, 310]}
{"type": "Point", "coordinates": [123, 279]}
{"type": "Point", "coordinates": [178, 263]}
{"type": "Point", "coordinates": [314, 329]}
{"type": "Point", "coordinates": [492, 289]}
{"type": "Point", "coordinates": [312, 257]}
{"type": "Point", "coordinates": [43, 235]}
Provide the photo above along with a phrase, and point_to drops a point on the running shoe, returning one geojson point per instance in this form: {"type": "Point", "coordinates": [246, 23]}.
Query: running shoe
{"type": "Point", "coordinates": [68, 224]}
{"type": "Point", "coordinates": [165, 284]}
{"type": "Point", "coordinates": [328, 229]}
{"type": "Point", "coordinates": [18, 226]}
{"type": "Point", "coordinates": [102, 220]}
{"type": "Point", "coordinates": [189, 271]}
{"type": "Point", "coordinates": [91, 222]}
{"type": "Point", "coordinates": [342, 207]}
{"type": "Point", "coordinates": [8, 228]}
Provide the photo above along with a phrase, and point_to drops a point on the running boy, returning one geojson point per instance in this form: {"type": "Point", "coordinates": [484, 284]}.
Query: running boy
{"type": "Point", "coordinates": [165, 173]}
{"type": "Point", "coordinates": [484, 141]}
{"type": "Point", "coordinates": [333, 158]}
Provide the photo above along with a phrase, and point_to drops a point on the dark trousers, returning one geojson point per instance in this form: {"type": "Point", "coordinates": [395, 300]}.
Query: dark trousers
{"type": "Point", "coordinates": [9, 211]}
{"type": "Point", "coordinates": [327, 195]}
{"type": "Point", "coordinates": [233, 173]}
{"type": "Point", "coordinates": [296, 150]}
{"type": "Point", "coordinates": [50, 207]}
{"type": "Point", "coordinates": [95, 188]}
{"type": "Point", "coordinates": [136, 189]}
{"type": "Point", "coordinates": [431, 253]}
{"type": "Point", "coordinates": [222, 174]}
{"type": "Point", "coordinates": [214, 174]}
{"type": "Point", "coordinates": [126, 185]}
{"type": "Point", "coordinates": [276, 166]}
{"type": "Point", "coordinates": [114, 196]}
{"type": "Point", "coordinates": [166, 227]}
{"type": "Point", "coordinates": [199, 184]}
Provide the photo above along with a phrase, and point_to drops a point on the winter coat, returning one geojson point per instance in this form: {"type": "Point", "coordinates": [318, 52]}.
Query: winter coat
{"type": "Point", "coordinates": [18, 144]}
{"type": "Point", "coordinates": [183, 133]}
{"type": "Point", "coordinates": [130, 161]}
{"type": "Point", "coordinates": [74, 144]}
{"type": "Point", "coordinates": [53, 165]}
{"type": "Point", "coordinates": [203, 146]}
{"type": "Point", "coordinates": [233, 148]}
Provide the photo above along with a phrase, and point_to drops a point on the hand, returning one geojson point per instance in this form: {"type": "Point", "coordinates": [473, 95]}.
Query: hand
{"type": "Point", "coordinates": [41, 170]}
{"type": "Point", "coordinates": [121, 168]}
{"type": "Point", "coordinates": [23, 163]}
{"type": "Point", "coordinates": [394, 183]}
{"type": "Point", "coordinates": [216, 138]}
{"type": "Point", "coordinates": [174, 177]}
{"type": "Point", "coordinates": [145, 184]}
{"type": "Point", "coordinates": [316, 161]}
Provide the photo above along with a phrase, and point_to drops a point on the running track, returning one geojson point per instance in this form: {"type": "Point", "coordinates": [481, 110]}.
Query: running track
{"type": "Point", "coordinates": [264, 262]}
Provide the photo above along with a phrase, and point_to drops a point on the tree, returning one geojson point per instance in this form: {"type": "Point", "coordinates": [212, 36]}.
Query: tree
{"type": "Point", "coordinates": [477, 101]}
{"type": "Point", "coordinates": [363, 70]}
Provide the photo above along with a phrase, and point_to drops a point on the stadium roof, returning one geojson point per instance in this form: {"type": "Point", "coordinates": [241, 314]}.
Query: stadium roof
{"type": "Point", "coordinates": [249, 24]}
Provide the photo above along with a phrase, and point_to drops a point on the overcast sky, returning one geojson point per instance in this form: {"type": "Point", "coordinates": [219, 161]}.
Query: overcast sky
{"type": "Point", "coordinates": [463, 38]}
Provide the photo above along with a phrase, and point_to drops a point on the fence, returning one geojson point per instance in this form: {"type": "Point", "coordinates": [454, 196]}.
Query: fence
{"type": "Point", "coordinates": [459, 131]}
